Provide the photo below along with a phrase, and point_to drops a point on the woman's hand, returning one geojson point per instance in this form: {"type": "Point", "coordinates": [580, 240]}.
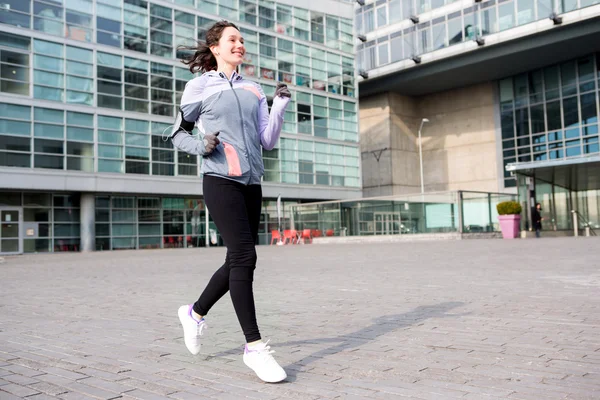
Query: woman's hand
{"type": "Point", "coordinates": [282, 90]}
{"type": "Point", "coordinates": [210, 142]}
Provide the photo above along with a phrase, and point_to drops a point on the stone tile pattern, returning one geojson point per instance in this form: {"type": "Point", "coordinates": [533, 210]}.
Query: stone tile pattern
{"type": "Point", "coordinates": [476, 319]}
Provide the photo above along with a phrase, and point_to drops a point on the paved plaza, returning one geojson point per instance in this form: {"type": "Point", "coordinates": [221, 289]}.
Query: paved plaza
{"type": "Point", "coordinates": [471, 319]}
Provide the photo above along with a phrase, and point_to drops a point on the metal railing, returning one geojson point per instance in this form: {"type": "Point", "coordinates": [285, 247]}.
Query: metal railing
{"type": "Point", "coordinates": [577, 218]}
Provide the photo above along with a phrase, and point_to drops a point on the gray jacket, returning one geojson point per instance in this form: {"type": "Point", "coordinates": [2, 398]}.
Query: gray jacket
{"type": "Point", "coordinates": [238, 110]}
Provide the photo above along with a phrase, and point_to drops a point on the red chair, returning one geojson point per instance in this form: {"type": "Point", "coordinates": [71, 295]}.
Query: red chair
{"type": "Point", "coordinates": [275, 235]}
{"type": "Point", "coordinates": [306, 236]}
{"type": "Point", "coordinates": [289, 234]}
{"type": "Point", "coordinates": [329, 232]}
{"type": "Point", "coordinates": [316, 233]}
{"type": "Point", "coordinates": [171, 242]}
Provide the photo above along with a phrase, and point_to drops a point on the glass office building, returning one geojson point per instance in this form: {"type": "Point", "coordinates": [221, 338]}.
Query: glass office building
{"type": "Point", "coordinates": [442, 23]}
{"type": "Point", "coordinates": [89, 89]}
{"type": "Point", "coordinates": [551, 113]}
{"type": "Point", "coordinates": [508, 89]}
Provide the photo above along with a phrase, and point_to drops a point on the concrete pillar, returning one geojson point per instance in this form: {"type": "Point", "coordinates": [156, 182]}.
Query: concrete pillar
{"type": "Point", "coordinates": [88, 222]}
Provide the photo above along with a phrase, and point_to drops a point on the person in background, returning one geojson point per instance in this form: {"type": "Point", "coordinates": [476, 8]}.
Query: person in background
{"type": "Point", "coordinates": [537, 218]}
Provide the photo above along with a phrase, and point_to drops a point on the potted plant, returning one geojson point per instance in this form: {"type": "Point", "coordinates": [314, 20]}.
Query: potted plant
{"type": "Point", "coordinates": [509, 215]}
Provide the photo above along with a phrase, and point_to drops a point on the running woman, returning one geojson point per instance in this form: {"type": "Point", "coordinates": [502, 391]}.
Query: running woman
{"type": "Point", "coordinates": [233, 115]}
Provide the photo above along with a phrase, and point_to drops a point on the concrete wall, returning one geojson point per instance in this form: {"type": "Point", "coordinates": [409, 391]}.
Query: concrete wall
{"type": "Point", "coordinates": [459, 142]}
{"type": "Point", "coordinates": [374, 132]}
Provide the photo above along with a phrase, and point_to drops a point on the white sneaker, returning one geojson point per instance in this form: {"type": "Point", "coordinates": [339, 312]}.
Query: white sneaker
{"type": "Point", "coordinates": [192, 329]}
{"type": "Point", "coordinates": [260, 360]}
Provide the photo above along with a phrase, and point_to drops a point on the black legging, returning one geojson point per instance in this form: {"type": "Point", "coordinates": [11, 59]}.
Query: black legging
{"type": "Point", "coordinates": [235, 208]}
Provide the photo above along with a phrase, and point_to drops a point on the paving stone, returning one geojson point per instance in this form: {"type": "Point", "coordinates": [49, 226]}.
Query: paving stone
{"type": "Point", "coordinates": [481, 320]}
{"type": "Point", "coordinates": [143, 395]}
{"type": "Point", "coordinates": [18, 390]}
{"type": "Point", "coordinates": [41, 396]}
{"type": "Point", "coordinates": [8, 396]}
{"type": "Point", "coordinates": [20, 379]}
{"type": "Point", "coordinates": [75, 396]}
{"type": "Point", "coordinates": [49, 388]}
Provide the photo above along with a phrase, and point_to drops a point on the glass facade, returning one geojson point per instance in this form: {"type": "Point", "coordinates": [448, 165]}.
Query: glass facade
{"type": "Point", "coordinates": [434, 33]}
{"type": "Point", "coordinates": [51, 222]}
{"type": "Point", "coordinates": [557, 205]}
{"type": "Point", "coordinates": [442, 212]}
{"type": "Point", "coordinates": [92, 86]}
{"type": "Point", "coordinates": [52, 219]}
{"type": "Point", "coordinates": [310, 51]}
{"type": "Point", "coordinates": [551, 113]}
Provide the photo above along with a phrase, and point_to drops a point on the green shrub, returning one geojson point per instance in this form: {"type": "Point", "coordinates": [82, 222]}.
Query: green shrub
{"type": "Point", "coordinates": [509, 208]}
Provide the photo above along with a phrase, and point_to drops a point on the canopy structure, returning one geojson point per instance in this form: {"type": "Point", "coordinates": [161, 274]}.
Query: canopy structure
{"type": "Point", "coordinates": [578, 174]}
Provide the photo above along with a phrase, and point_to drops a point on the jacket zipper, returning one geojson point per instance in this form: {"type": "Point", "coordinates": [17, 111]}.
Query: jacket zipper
{"type": "Point", "coordinates": [243, 133]}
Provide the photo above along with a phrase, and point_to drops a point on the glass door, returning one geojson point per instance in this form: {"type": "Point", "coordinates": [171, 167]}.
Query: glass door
{"type": "Point", "coordinates": [387, 223]}
{"type": "Point", "coordinates": [10, 231]}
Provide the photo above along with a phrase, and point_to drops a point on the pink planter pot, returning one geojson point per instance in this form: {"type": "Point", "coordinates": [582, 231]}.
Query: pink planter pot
{"type": "Point", "coordinates": [510, 224]}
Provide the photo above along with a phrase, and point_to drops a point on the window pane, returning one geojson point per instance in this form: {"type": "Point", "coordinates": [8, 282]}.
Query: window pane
{"type": "Point", "coordinates": [506, 17]}
{"type": "Point", "coordinates": [49, 146]}
{"type": "Point", "coordinates": [80, 149]}
{"type": "Point", "coordinates": [79, 84]}
{"type": "Point", "coordinates": [14, 143]}
{"type": "Point", "coordinates": [537, 119]}
{"type": "Point", "coordinates": [568, 78]}
{"type": "Point", "coordinates": [488, 21]}
{"type": "Point", "coordinates": [50, 63]}
{"type": "Point", "coordinates": [110, 166]}
{"type": "Point", "coordinates": [455, 31]}
{"type": "Point", "coordinates": [522, 122]}
{"type": "Point", "coordinates": [382, 16]}
{"type": "Point", "coordinates": [396, 49]}
{"type": "Point", "coordinates": [75, 118]}
{"type": "Point", "coordinates": [80, 134]}
{"type": "Point", "coordinates": [439, 36]}
{"type": "Point", "coordinates": [51, 162]}
{"type": "Point", "coordinates": [14, 111]}
{"type": "Point", "coordinates": [16, 41]}
{"type": "Point", "coordinates": [110, 102]}
{"type": "Point", "coordinates": [588, 108]}
{"type": "Point", "coordinates": [15, 160]}
{"type": "Point", "coordinates": [49, 79]}
{"type": "Point", "coordinates": [110, 137]}
{"type": "Point", "coordinates": [585, 69]}
{"type": "Point", "coordinates": [507, 125]}
{"type": "Point", "coordinates": [383, 54]}
{"type": "Point", "coordinates": [77, 68]}
{"type": "Point", "coordinates": [553, 115]}
{"type": "Point", "coordinates": [525, 12]}
{"type": "Point", "coordinates": [48, 115]}
{"type": "Point", "coordinates": [15, 128]}
{"type": "Point", "coordinates": [571, 112]}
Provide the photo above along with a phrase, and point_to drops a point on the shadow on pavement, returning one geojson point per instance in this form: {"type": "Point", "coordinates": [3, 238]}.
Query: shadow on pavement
{"type": "Point", "coordinates": [379, 327]}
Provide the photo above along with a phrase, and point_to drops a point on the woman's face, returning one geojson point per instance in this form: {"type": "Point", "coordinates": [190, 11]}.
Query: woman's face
{"type": "Point", "coordinates": [231, 48]}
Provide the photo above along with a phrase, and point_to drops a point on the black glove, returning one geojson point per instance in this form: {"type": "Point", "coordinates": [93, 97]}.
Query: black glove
{"type": "Point", "coordinates": [282, 90]}
{"type": "Point", "coordinates": [210, 142]}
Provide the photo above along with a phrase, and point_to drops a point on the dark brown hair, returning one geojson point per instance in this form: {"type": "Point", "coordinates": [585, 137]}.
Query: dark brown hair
{"type": "Point", "coordinates": [203, 59]}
